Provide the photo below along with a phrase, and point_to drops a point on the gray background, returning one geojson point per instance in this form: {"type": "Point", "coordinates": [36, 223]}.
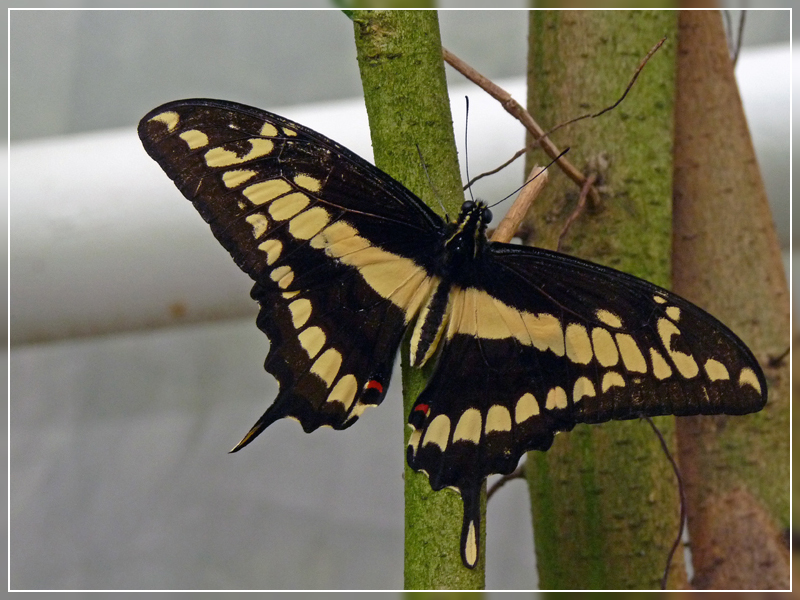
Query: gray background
{"type": "Point", "coordinates": [120, 477]}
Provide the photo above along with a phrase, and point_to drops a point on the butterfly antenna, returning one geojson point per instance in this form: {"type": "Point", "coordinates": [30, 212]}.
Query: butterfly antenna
{"type": "Point", "coordinates": [563, 152]}
{"type": "Point", "coordinates": [466, 146]}
{"type": "Point", "coordinates": [430, 182]}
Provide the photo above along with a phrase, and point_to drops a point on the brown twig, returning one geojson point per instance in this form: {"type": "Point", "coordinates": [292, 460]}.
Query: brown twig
{"type": "Point", "coordinates": [578, 209]}
{"type": "Point", "coordinates": [518, 112]}
{"type": "Point", "coordinates": [775, 361]}
{"type": "Point", "coordinates": [621, 98]}
{"type": "Point", "coordinates": [527, 194]}
{"type": "Point", "coordinates": [682, 496]}
{"type": "Point", "coordinates": [518, 473]}
{"type": "Point", "coordinates": [517, 154]}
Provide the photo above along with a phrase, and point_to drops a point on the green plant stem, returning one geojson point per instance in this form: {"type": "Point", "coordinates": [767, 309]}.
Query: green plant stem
{"type": "Point", "coordinates": [400, 58]}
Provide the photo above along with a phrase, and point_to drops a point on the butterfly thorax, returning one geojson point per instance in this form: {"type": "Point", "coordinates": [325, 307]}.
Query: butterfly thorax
{"type": "Point", "coordinates": [463, 246]}
{"type": "Point", "coordinates": [466, 238]}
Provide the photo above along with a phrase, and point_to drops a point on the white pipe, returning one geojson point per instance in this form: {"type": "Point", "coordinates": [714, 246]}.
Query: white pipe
{"type": "Point", "coordinates": [101, 241]}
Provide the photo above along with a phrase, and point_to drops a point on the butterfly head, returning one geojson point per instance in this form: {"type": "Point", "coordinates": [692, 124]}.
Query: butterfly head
{"type": "Point", "coordinates": [467, 236]}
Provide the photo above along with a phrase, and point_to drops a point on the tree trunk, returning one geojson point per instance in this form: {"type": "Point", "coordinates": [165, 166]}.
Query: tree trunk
{"type": "Point", "coordinates": [604, 498]}
{"type": "Point", "coordinates": [727, 260]}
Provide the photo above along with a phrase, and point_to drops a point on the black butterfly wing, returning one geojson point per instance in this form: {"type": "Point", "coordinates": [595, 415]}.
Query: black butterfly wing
{"type": "Point", "coordinates": [540, 341]}
{"type": "Point", "coordinates": [336, 247]}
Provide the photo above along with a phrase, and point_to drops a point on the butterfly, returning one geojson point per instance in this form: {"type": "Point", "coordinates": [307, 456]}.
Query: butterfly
{"type": "Point", "coordinates": [525, 342]}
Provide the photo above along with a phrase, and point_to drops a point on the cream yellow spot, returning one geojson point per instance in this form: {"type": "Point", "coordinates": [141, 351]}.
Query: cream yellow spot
{"type": "Point", "coordinates": [604, 347]}
{"type": "Point", "coordinates": [283, 276]}
{"type": "Point", "coordinates": [341, 247]}
{"type": "Point", "coordinates": [716, 370]}
{"type": "Point", "coordinates": [612, 379]}
{"type": "Point", "coordinates": [220, 157]}
{"type": "Point", "coordinates": [498, 419]}
{"type": "Point", "coordinates": [685, 363]}
{"type": "Point", "coordinates": [289, 132]}
{"type": "Point", "coordinates": [578, 347]}
{"type": "Point", "coordinates": [383, 271]}
{"type": "Point", "coordinates": [312, 340]}
{"type": "Point", "coordinates": [418, 360]}
{"type": "Point", "coordinates": [288, 206]}
{"type": "Point", "coordinates": [556, 398]}
{"type": "Point", "coordinates": [583, 388]}
{"type": "Point", "coordinates": [273, 250]}
{"type": "Point", "coordinates": [660, 367]}
{"type": "Point", "coordinates": [309, 223]}
{"type": "Point", "coordinates": [748, 377]}
{"type": "Point", "coordinates": [437, 432]}
{"type": "Point", "coordinates": [286, 280]}
{"type": "Point", "coordinates": [631, 355]}
{"type": "Point", "coordinates": [307, 182]}
{"type": "Point", "coordinates": [413, 440]}
{"type": "Point", "coordinates": [471, 547]}
{"type": "Point", "coordinates": [194, 138]}
{"type": "Point", "coordinates": [357, 410]}
{"type": "Point", "coordinates": [489, 324]}
{"type": "Point", "coordinates": [527, 407]}
{"type": "Point", "coordinates": [344, 391]}
{"type": "Point", "coordinates": [290, 295]}
{"type": "Point", "coordinates": [469, 426]}
{"type": "Point", "coordinates": [169, 118]}
{"type": "Point", "coordinates": [545, 332]}
{"type": "Point", "coordinates": [608, 318]}
{"type": "Point", "coordinates": [513, 320]}
{"type": "Point", "coordinates": [412, 293]}
{"type": "Point", "coordinates": [480, 317]}
{"type": "Point", "coordinates": [326, 367]}
{"type": "Point", "coordinates": [264, 191]}
{"type": "Point", "coordinates": [269, 130]}
{"type": "Point", "coordinates": [237, 177]}
{"type": "Point", "coordinates": [673, 312]}
{"type": "Point", "coordinates": [259, 223]}
{"type": "Point", "coordinates": [333, 233]}
{"type": "Point", "coordinates": [659, 299]}
{"type": "Point", "coordinates": [301, 310]}
{"type": "Point", "coordinates": [395, 278]}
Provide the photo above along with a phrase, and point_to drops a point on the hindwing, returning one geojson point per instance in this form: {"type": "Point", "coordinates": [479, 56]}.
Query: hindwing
{"type": "Point", "coordinates": [538, 341]}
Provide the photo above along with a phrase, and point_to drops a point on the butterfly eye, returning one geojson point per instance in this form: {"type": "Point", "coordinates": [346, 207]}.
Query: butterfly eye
{"type": "Point", "coordinates": [467, 206]}
{"type": "Point", "coordinates": [487, 215]}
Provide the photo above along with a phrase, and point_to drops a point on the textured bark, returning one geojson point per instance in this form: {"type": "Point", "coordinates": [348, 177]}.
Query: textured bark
{"type": "Point", "coordinates": [604, 498]}
{"type": "Point", "coordinates": [400, 57]}
{"type": "Point", "coordinates": [727, 260]}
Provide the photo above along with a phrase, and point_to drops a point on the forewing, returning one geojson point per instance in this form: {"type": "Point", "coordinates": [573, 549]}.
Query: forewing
{"type": "Point", "coordinates": [336, 247]}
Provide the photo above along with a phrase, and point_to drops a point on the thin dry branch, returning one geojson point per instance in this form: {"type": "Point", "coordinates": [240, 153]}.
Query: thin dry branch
{"type": "Point", "coordinates": [517, 154]}
{"type": "Point", "coordinates": [518, 112]}
{"type": "Point", "coordinates": [578, 209]}
{"type": "Point", "coordinates": [518, 473]}
{"type": "Point", "coordinates": [681, 495]}
{"type": "Point", "coordinates": [540, 136]}
{"type": "Point", "coordinates": [621, 98]}
{"type": "Point", "coordinates": [527, 194]}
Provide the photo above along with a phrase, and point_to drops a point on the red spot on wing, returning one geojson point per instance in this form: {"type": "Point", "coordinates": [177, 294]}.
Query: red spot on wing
{"type": "Point", "coordinates": [423, 408]}
{"type": "Point", "coordinates": [374, 385]}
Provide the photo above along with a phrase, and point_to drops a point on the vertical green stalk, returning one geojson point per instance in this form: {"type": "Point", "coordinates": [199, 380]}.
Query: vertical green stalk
{"type": "Point", "coordinates": [604, 498]}
{"type": "Point", "coordinates": [400, 58]}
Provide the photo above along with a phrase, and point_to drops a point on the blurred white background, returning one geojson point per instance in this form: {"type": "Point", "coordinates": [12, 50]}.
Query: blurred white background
{"type": "Point", "coordinates": [120, 476]}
